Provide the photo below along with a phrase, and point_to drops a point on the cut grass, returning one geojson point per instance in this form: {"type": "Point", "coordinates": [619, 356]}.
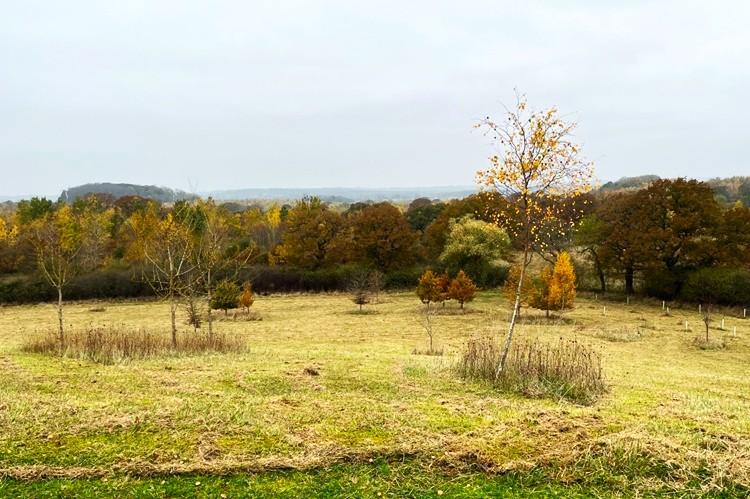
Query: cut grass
{"type": "Point", "coordinates": [256, 411]}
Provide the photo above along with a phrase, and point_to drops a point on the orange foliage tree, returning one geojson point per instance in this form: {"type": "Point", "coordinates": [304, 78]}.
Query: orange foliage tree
{"type": "Point", "coordinates": [462, 289]}
{"type": "Point", "coordinates": [428, 288]}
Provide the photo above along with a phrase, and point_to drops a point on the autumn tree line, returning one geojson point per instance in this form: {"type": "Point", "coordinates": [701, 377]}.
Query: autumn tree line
{"type": "Point", "coordinates": [671, 240]}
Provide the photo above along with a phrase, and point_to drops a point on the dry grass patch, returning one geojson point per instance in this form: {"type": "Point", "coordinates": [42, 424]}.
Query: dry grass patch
{"type": "Point", "coordinates": [704, 343]}
{"type": "Point", "coordinates": [114, 345]}
{"type": "Point", "coordinates": [567, 370]}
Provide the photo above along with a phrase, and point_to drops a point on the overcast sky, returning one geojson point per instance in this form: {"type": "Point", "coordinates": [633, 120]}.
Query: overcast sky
{"type": "Point", "coordinates": [205, 95]}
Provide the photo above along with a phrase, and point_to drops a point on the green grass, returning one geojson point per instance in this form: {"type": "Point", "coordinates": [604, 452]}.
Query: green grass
{"type": "Point", "coordinates": [675, 418]}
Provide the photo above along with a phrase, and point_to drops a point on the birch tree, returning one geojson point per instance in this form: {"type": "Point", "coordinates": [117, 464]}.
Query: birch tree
{"type": "Point", "coordinates": [536, 159]}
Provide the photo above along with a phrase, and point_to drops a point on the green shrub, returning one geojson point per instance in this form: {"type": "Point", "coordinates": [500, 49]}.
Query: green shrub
{"type": "Point", "coordinates": [226, 295]}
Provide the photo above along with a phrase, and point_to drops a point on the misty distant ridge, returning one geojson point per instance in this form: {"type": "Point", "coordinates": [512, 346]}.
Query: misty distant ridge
{"type": "Point", "coordinates": [330, 194]}
{"type": "Point", "coordinates": [727, 190]}
{"type": "Point", "coordinates": [344, 194]}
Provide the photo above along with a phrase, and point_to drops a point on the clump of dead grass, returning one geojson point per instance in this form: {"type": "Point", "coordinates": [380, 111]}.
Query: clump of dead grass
{"type": "Point", "coordinates": [115, 345]}
{"type": "Point", "coordinates": [703, 343]}
{"type": "Point", "coordinates": [567, 370]}
{"type": "Point", "coordinates": [428, 351]}
{"type": "Point", "coordinates": [239, 316]}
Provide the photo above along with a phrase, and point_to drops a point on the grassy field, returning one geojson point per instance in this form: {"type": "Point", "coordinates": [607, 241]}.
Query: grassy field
{"type": "Point", "coordinates": [328, 402]}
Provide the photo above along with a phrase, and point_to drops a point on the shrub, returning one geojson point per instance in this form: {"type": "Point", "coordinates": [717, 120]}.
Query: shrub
{"type": "Point", "coordinates": [225, 296]}
{"type": "Point", "coordinates": [111, 345]}
{"type": "Point", "coordinates": [566, 370]}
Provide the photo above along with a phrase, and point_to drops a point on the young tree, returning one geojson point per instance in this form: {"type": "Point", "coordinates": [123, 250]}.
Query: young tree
{"type": "Point", "coordinates": [443, 282]}
{"type": "Point", "coordinates": [539, 296]}
{"type": "Point", "coordinates": [538, 160]}
{"type": "Point", "coordinates": [246, 298]}
{"type": "Point", "coordinates": [428, 289]}
{"type": "Point", "coordinates": [213, 228]}
{"type": "Point", "coordinates": [360, 287]}
{"type": "Point", "coordinates": [226, 296]}
{"type": "Point", "coordinates": [562, 285]}
{"type": "Point", "coordinates": [165, 247]}
{"type": "Point", "coordinates": [67, 243]}
{"type": "Point", "coordinates": [462, 289]}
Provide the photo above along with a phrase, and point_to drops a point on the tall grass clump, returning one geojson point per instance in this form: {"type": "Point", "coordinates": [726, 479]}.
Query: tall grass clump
{"type": "Point", "coordinates": [113, 345]}
{"type": "Point", "coordinates": [567, 370]}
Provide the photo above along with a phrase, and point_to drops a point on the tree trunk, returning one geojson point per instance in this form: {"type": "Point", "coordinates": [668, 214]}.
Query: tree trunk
{"type": "Point", "coordinates": [599, 270]}
{"type": "Point", "coordinates": [602, 280]}
{"type": "Point", "coordinates": [61, 329]}
{"type": "Point", "coordinates": [629, 289]}
{"type": "Point", "coordinates": [514, 316]}
{"type": "Point", "coordinates": [173, 315]}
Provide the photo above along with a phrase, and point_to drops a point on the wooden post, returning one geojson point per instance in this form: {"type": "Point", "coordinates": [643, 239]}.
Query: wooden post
{"type": "Point", "coordinates": [605, 310]}
{"type": "Point", "coordinates": [686, 325]}
{"type": "Point", "coordinates": [627, 299]}
{"type": "Point", "coordinates": [700, 308]}
{"type": "Point", "coordinates": [734, 332]}
{"type": "Point", "coordinates": [667, 310]}
{"type": "Point", "coordinates": [744, 313]}
{"type": "Point", "coordinates": [663, 304]}
{"type": "Point", "coordinates": [722, 324]}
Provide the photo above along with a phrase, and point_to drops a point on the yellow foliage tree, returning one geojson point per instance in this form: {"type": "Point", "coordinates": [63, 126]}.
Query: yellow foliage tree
{"type": "Point", "coordinates": [246, 298]}
{"type": "Point", "coordinates": [562, 285]}
{"type": "Point", "coordinates": [540, 294]}
{"type": "Point", "coordinates": [539, 161]}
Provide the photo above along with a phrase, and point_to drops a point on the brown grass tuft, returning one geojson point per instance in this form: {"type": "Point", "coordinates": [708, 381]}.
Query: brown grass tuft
{"type": "Point", "coordinates": [112, 345]}
{"type": "Point", "coordinates": [566, 370]}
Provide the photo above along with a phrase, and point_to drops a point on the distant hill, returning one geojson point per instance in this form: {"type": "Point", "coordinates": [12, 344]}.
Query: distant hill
{"type": "Point", "coordinates": [629, 183]}
{"type": "Point", "coordinates": [161, 194]}
{"type": "Point", "coordinates": [344, 194]}
{"type": "Point", "coordinates": [727, 190]}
